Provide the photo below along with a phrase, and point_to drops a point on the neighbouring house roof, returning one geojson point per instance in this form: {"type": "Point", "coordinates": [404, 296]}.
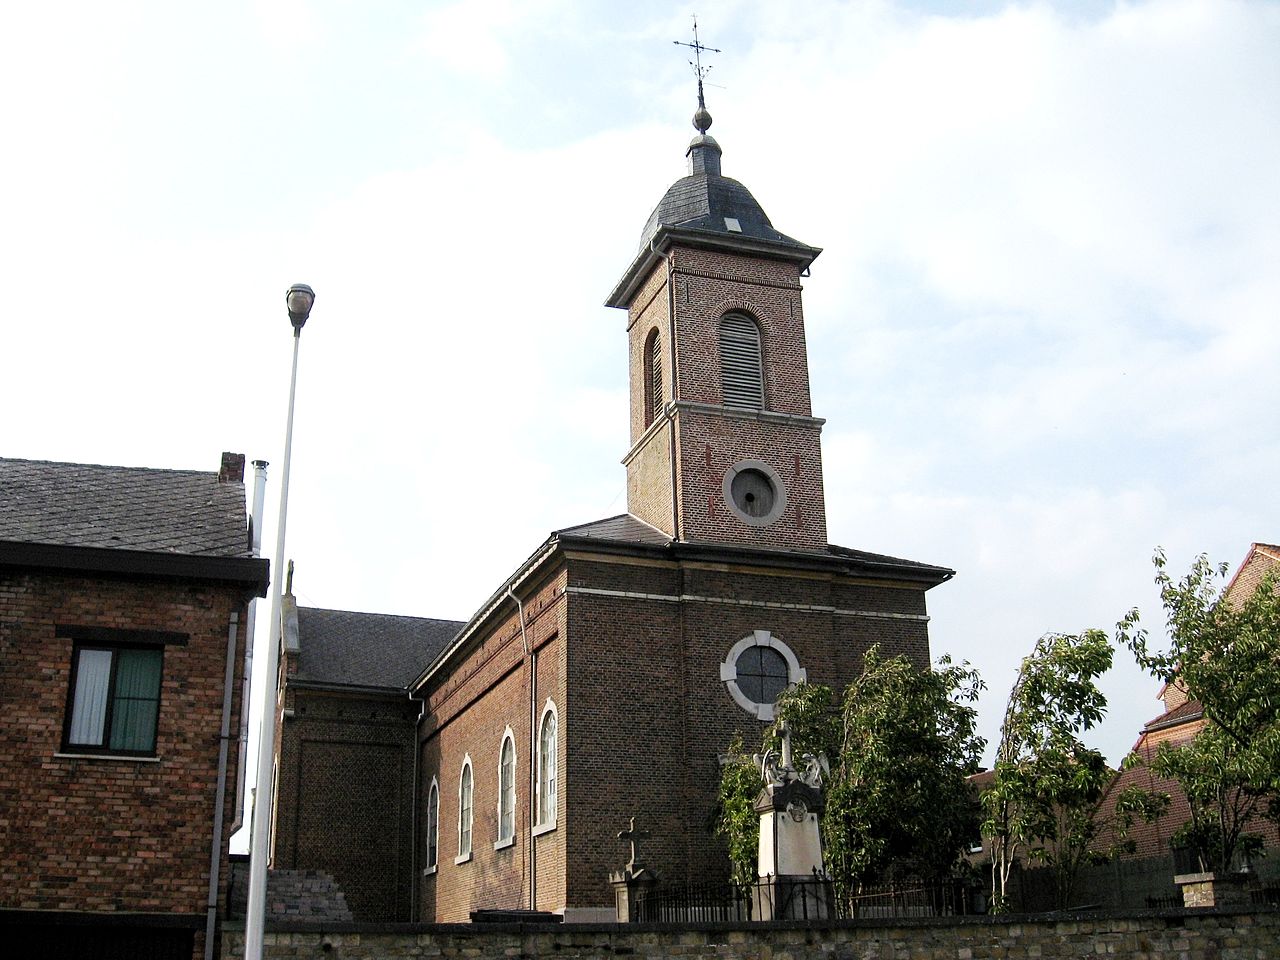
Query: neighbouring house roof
{"type": "Point", "coordinates": [343, 647]}
{"type": "Point", "coordinates": [132, 520]}
{"type": "Point", "coordinates": [1185, 712]}
{"type": "Point", "coordinates": [122, 508]}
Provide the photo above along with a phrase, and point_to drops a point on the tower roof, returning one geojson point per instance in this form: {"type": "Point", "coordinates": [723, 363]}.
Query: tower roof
{"type": "Point", "coordinates": [707, 209]}
{"type": "Point", "coordinates": [708, 202]}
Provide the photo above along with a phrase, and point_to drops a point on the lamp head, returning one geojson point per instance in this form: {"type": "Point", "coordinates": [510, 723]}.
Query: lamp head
{"type": "Point", "coordinates": [299, 298]}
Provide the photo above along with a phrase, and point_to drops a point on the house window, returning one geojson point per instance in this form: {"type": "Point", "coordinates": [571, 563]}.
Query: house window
{"type": "Point", "coordinates": [114, 703]}
{"type": "Point", "coordinates": [433, 826]}
{"type": "Point", "coordinates": [652, 377]}
{"type": "Point", "coordinates": [507, 791]}
{"type": "Point", "coordinates": [547, 767]}
{"type": "Point", "coordinates": [741, 379]}
{"type": "Point", "coordinates": [465, 808]}
{"type": "Point", "coordinates": [756, 671]}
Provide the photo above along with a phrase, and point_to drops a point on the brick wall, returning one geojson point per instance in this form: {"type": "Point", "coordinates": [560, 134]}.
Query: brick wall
{"type": "Point", "coordinates": [701, 286]}
{"type": "Point", "coordinates": [114, 834]}
{"type": "Point", "coordinates": [650, 715]}
{"type": "Point", "coordinates": [1211, 935]}
{"type": "Point", "coordinates": [468, 711]}
{"type": "Point", "coordinates": [345, 795]}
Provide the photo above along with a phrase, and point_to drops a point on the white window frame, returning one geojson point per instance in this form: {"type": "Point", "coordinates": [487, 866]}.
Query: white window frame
{"type": "Point", "coordinates": [466, 811]}
{"type": "Point", "coordinates": [506, 814]}
{"type": "Point", "coordinates": [548, 772]}
{"type": "Point", "coordinates": [729, 671]}
{"type": "Point", "coordinates": [433, 828]}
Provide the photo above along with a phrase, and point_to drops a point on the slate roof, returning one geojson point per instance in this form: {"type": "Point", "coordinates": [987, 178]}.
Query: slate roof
{"type": "Point", "coordinates": [367, 649]}
{"type": "Point", "coordinates": [702, 201]}
{"type": "Point", "coordinates": [626, 528]}
{"type": "Point", "coordinates": [122, 508]}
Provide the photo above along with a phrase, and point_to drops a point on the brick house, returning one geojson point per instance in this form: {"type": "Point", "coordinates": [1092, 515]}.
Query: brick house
{"type": "Point", "coordinates": [1178, 724]}
{"type": "Point", "coordinates": [603, 679]}
{"type": "Point", "coordinates": [123, 601]}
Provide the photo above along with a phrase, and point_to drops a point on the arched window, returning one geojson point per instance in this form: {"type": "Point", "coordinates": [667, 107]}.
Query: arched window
{"type": "Point", "coordinates": [465, 808]}
{"type": "Point", "coordinates": [652, 377]}
{"type": "Point", "coordinates": [547, 757]}
{"type": "Point", "coordinates": [507, 790]}
{"type": "Point", "coordinates": [433, 826]}
{"type": "Point", "coordinates": [741, 369]}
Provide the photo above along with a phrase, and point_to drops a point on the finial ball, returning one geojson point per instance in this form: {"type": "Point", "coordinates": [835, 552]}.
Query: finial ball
{"type": "Point", "coordinates": [702, 119]}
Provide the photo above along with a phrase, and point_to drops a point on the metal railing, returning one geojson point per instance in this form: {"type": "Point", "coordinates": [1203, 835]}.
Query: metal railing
{"type": "Point", "coordinates": [788, 898]}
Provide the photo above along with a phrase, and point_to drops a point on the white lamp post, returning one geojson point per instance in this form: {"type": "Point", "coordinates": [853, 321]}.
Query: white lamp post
{"type": "Point", "coordinates": [299, 298]}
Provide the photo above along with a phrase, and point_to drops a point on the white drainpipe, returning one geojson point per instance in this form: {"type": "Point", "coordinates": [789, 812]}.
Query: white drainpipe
{"type": "Point", "coordinates": [255, 544]}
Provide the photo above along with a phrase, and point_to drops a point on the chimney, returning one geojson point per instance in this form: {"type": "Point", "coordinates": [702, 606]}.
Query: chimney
{"type": "Point", "coordinates": [232, 470]}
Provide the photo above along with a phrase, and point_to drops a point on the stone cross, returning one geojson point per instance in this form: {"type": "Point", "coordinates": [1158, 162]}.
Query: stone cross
{"type": "Point", "coordinates": [634, 836]}
{"type": "Point", "coordinates": [787, 764]}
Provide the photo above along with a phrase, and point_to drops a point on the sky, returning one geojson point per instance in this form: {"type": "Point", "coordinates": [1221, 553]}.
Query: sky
{"type": "Point", "coordinates": [1043, 330]}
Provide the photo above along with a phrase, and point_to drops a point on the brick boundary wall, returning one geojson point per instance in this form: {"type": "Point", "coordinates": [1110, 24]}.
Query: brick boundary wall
{"type": "Point", "coordinates": [1207, 935]}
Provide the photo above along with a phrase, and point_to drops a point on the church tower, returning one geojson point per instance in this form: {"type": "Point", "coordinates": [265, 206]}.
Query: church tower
{"type": "Point", "coordinates": [724, 444]}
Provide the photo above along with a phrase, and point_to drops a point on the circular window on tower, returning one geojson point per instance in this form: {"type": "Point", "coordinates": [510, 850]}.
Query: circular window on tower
{"type": "Point", "coordinates": [754, 492]}
{"type": "Point", "coordinates": [756, 671]}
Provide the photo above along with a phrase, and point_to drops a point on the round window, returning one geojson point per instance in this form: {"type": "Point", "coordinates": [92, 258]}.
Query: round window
{"type": "Point", "coordinates": [762, 674]}
{"type": "Point", "coordinates": [754, 492]}
{"type": "Point", "coordinates": [756, 671]}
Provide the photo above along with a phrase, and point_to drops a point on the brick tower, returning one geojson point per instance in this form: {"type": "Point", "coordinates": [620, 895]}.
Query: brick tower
{"type": "Point", "coordinates": [724, 444]}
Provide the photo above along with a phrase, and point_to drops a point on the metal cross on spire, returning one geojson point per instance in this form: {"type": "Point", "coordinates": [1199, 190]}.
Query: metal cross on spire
{"type": "Point", "coordinates": [702, 119]}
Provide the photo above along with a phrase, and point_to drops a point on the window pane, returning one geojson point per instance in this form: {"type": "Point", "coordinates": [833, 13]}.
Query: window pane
{"type": "Point", "coordinates": [762, 674]}
{"type": "Point", "coordinates": [433, 826]}
{"type": "Point", "coordinates": [137, 700]}
{"type": "Point", "coordinates": [547, 771]}
{"type": "Point", "coordinates": [507, 785]}
{"type": "Point", "coordinates": [464, 813]}
{"type": "Point", "coordinates": [89, 711]}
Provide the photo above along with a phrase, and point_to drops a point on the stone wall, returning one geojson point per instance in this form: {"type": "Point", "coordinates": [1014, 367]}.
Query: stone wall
{"type": "Point", "coordinates": [1187, 936]}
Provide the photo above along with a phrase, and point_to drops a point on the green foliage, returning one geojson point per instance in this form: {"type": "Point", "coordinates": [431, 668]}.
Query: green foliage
{"type": "Point", "coordinates": [900, 742]}
{"type": "Point", "coordinates": [736, 818]}
{"type": "Point", "coordinates": [1047, 783]}
{"type": "Point", "coordinates": [898, 802]}
{"type": "Point", "coordinates": [1225, 652]}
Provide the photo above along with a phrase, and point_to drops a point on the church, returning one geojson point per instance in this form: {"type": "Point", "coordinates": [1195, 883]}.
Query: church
{"type": "Point", "coordinates": [437, 768]}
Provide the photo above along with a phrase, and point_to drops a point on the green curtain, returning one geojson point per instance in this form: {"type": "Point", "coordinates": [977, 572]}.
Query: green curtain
{"type": "Point", "coordinates": [137, 700]}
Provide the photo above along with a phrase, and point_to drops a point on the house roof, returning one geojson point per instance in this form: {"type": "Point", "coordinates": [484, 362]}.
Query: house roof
{"type": "Point", "coordinates": [122, 508]}
{"type": "Point", "coordinates": [348, 648]}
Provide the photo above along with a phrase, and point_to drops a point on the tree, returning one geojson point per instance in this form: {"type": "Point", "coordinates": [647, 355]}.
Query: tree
{"type": "Point", "coordinates": [1225, 653]}
{"type": "Point", "coordinates": [900, 743]}
{"type": "Point", "coordinates": [1047, 783]}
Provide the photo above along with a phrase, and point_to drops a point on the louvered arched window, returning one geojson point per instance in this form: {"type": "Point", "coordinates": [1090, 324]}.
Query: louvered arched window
{"type": "Point", "coordinates": [652, 377]}
{"type": "Point", "coordinates": [741, 373]}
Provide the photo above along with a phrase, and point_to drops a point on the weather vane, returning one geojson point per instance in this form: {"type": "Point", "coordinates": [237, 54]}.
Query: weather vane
{"type": "Point", "coordinates": [702, 119]}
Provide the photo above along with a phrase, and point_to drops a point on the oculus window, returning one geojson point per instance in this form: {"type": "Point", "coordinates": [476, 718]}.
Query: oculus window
{"type": "Point", "coordinates": [754, 492]}
{"type": "Point", "coordinates": [756, 671]}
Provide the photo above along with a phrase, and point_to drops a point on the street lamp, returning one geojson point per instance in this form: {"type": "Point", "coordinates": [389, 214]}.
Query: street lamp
{"type": "Point", "coordinates": [299, 298]}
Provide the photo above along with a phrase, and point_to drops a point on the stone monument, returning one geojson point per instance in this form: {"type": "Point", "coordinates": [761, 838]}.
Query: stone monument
{"type": "Point", "coordinates": [632, 880]}
{"type": "Point", "coordinates": [792, 885]}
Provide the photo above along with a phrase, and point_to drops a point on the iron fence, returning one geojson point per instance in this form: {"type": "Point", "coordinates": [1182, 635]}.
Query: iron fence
{"type": "Point", "coordinates": [787, 898]}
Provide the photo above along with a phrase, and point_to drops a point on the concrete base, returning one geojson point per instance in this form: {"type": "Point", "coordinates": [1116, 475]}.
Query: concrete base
{"type": "Point", "coordinates": [1202, 891]}
{"type": "Point", "coordinates": [792, 898]}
